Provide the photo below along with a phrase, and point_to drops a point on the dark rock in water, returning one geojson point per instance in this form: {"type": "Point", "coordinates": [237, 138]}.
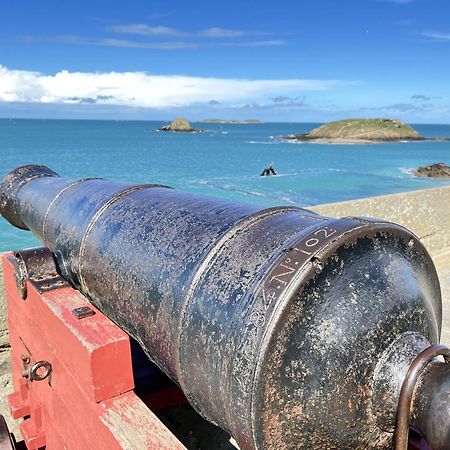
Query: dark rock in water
{"type": "Point", "coordinates": [268, 171]}
{"type": "Point", "coordinates": [180, 125]}
{"type": "Point", "coordinates": [436, 170]}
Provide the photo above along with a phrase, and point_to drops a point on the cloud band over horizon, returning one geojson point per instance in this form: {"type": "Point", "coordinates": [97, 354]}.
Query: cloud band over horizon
{"type": "Point", "coordinates": [144, 90]}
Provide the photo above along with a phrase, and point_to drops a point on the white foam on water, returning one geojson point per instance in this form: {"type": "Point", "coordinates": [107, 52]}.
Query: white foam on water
{"type": "Point", "coordinates": [215, 181]}
{"type": "Point", "coordinates": [407, 171]}
{"type": "Point", "coordinates": [264, 142]}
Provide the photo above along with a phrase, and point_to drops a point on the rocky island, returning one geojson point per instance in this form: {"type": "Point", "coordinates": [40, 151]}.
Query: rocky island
{"type": "Point", "coordinates": [361, 131]}
{"type": "Point", "coordinates": [436, 170]}
{"type": "Point", "coordinates": [180, 125]}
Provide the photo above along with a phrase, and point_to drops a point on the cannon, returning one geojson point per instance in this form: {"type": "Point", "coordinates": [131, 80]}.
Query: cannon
{"type": "Point", "coordinates": [285, 328]}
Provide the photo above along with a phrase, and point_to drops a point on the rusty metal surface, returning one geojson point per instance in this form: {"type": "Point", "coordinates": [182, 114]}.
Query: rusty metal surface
{"type": "Point", "coordinates": [280, 325]}
{"type": "Point", "coordinates": [406, 393]}
{"type": "Point", "coordinates": [82, 312]}
{"type": "Point", "coordinates": [430, 412]}
{"type": "Point", "coordinates": [11, 186]}
{"type": "Point", "coordinates": [321, 355]}
{"type": "Point", "coordinates": [37, 266]}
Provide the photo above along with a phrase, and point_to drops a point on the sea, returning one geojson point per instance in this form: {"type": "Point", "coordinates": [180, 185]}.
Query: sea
{"type": "Point", "coordinates": [225, 161]}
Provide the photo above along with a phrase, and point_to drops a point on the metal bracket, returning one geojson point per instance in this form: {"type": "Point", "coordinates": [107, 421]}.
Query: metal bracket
{"type": "Point", "coordinates": [34, 372]}
{"type": "Point", "coordinates": [83, 312]}
{"type": "Point", "coordinates": [37, 266]}
{"type": "Point", "coordinates": [406, 392]}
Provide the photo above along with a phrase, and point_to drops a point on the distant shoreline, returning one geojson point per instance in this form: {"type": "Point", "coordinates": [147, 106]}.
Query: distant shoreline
{"type": "Point", "coordinates": [247, 122]}
{"type": "Point", "coordinates": [118, 119]}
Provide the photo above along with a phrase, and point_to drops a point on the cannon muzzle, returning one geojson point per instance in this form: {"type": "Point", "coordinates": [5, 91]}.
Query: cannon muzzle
{"type": "Point", "coordinates": [288, 329]}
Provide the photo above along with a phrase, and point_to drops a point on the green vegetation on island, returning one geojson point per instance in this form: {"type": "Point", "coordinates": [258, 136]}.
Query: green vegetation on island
{"type": "Point", "coordinates": [361, 131]}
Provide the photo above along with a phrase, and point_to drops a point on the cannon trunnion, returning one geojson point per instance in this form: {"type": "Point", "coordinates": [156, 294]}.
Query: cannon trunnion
{"type": "Point", "coordinates": [286, 328]}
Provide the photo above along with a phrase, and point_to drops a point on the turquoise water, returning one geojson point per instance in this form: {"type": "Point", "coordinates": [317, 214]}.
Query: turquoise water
{"type": "Point", "coordinates": [225, 161]}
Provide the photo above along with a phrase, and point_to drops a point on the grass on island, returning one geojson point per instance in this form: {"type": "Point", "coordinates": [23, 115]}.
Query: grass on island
{"type": "Point", "coordinates": [364, 129]}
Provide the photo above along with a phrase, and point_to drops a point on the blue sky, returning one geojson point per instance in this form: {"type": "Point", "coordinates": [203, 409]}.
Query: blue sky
{"type": "Point", "coordinates": [285, 61]}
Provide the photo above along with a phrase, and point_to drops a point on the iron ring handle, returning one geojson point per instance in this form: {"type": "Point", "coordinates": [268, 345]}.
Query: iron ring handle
{"type": "Point", "coordinates": [34, 376]}
{"type": "Point", "coordinates": [406, 392]}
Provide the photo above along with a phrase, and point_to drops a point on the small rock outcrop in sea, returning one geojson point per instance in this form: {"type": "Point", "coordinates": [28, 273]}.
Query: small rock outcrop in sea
{"type": "Point", "coordinates": [436, 170]}
{"type": "Point", "coordinates": [268, 171]}
{"type": "Point", "coordinates": [181, 125]}
{"type": "Point", "coordinates": [361, 131]}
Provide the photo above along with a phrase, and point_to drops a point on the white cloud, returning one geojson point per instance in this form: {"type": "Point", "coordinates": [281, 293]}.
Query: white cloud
{"type": "Point", "coordinates": [110, 42]}
{"type": "Point", "coordinates": [399, 2]}
{"type": "Point", "coordinates": [145, 30]}
{"type": "Point", "coordinates": [267, 43]}
{"type": "Point", "coordinates": [142, 29]}
{"type": "Point", "coordinates": [217, 32]}
{"type": "Point", "coordinates": [437, 37]}
{"type": "Point", "coordinates": [167, 45]}
{"type": "Point", "coordinates": [140, 89]}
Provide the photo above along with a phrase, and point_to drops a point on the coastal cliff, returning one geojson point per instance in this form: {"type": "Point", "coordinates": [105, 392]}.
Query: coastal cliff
{"type": "Point", "coordinates": [361, 131]}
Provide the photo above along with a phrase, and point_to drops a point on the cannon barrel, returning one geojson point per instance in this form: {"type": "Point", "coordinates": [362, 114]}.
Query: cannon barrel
{"type": "Point", "coordinates": [288, 329]}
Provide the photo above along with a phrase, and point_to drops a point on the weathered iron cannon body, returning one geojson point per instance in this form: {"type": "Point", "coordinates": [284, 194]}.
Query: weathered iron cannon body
{"type": "Point", "coordinates": [288, 329]}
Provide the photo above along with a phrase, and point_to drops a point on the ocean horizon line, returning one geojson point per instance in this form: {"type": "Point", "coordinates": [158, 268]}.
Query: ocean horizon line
{"type": "Point", "coordinates": [239, 121]}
